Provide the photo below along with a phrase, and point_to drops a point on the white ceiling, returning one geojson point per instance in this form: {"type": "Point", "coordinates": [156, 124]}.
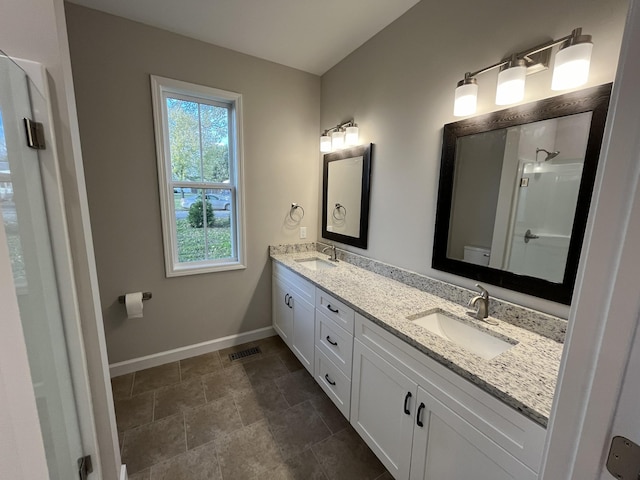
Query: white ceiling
{"type": "Point", "coordinates": [311, 35]}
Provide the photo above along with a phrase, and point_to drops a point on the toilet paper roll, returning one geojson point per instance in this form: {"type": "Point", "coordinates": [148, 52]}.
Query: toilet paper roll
{"type": "Point", "coordinates": [133, 302]}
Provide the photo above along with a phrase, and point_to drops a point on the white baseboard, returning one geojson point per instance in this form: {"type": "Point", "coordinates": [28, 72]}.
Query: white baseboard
{"type": "Point", "coordinates": [123, 472]}
{"type": "Point", "coordinates": [135, 364]}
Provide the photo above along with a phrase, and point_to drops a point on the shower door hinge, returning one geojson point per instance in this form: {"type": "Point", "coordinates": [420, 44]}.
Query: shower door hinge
{"type": "Point", "coordinates": [85, 467]}
{"type": "Point", "coordinates": [624, 459]}
{"type": "Point", "coordinates": [35, 134]}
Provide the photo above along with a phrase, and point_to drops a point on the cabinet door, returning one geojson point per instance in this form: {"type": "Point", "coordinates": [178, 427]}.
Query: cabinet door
{"type": "Point", "coordinates": [282, 310]}
{"type": "Point", "coordinates": [303, 330]}
{"type": "Point", "coordinates": [447, 447]}
{"type": "Point", "coordinates": [383, 406]}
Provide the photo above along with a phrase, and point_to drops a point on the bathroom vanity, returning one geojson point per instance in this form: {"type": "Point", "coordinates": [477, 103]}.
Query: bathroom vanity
{"type": "Point", "coordinates": [428, 407]}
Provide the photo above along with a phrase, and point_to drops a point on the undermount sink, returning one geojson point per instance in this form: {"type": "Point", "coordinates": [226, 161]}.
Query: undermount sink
{"type": "Point", "coordinates": [315, 263]}
{"type": "Point", "coordinates": [467, 336]}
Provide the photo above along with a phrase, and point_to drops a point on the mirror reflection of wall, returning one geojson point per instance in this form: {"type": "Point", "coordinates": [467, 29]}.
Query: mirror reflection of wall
{"type": "Point", "coordinates": [515, 196]}
{"type": "Point", "coordinates": [343, 196]}
{"type": "Point", "coordinates": [346, 179]}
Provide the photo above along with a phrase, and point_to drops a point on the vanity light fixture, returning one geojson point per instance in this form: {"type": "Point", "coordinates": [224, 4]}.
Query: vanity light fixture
{"type": "Point", "coordinates": [571, 69]}
{"type": "Point", "coordinates": [338, 137]}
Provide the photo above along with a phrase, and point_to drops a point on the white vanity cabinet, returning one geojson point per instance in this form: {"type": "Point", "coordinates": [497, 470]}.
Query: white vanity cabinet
{"type": "Point", "coordinates": [425, 422]}
{"type": "Point", "coordinates": [421, 419]}
{"type": "Point", "coordinates": [334, 349]}
{"type": "Point", "coordinates": [294, 313]}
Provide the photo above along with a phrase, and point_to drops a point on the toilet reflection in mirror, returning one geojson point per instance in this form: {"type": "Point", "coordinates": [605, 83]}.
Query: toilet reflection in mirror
{"type": "Point", "coordinates": [529, 176]}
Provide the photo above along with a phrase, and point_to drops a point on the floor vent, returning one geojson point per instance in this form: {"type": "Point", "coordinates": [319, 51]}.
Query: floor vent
{"type": "Point", "coordinates": [244, 353]}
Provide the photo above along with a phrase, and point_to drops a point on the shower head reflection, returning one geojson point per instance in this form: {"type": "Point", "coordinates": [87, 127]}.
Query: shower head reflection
{"type": "Point", "coordinates": [549, 156]}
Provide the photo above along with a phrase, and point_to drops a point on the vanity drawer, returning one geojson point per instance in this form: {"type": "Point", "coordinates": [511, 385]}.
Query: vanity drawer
{"type": "Point", "coordinates": [335, 310]}
{"type": "Point", "coordinates": [334, 383]}
{"type": "Point", "coordinates": [334, 342]}
{"type": "Point", "coordinates": [306, 289]}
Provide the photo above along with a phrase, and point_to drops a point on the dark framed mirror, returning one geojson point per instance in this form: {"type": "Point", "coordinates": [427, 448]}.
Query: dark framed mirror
{"type": "Point", "coordinates": [346, 183]}
{"type": "Point", "coordinates": [514, 193]}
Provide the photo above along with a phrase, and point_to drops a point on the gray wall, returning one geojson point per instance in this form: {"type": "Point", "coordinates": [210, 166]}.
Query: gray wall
{"type": "Point", "coordinates": [399, 88]}
{"type": "Point", "coordinates": [112, 59]}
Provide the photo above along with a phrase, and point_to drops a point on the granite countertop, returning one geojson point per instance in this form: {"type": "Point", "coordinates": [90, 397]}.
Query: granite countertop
{"type": "Point", "coordinates": [524, 377]}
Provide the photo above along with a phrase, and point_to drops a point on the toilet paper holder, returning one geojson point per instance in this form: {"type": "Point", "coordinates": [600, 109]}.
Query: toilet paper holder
{"type": "Point", "coordinates": [145, 296]}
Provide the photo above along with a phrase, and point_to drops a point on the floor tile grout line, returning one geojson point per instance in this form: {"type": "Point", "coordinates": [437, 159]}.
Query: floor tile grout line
{"type": "Point", "coordinates": [153, 407]}
{"type": "Point", "coordinates": [322, 419]}
{"type": "Point", "coordinates": [137, 427]}
{"type": "Point", "coordinates": [235, 404]}
{"type": "Point", "coordinates": [133, 382]}
{"type": "Point", "coordinates": [204, 390]}
{"type": "Point", "coordinates": [184, 427]}
{"type": "Point", "coordinates": [166, 460]}
{"type": "Point", "coordinates": [322, 469]}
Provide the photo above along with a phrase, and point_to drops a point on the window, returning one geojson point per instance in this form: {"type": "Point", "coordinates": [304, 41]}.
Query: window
{"type": "Point", "coordinates": [198, 142]}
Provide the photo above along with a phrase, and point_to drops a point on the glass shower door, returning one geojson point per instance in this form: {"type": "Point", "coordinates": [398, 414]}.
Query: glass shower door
{"type": "Point", "coordinates": [24, 219]}
{"type": "Point", "coordinates": [546, 207]}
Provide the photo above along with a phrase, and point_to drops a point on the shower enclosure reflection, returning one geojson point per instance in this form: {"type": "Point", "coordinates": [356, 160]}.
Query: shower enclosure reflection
{"type": "Point", "coordinates": [514, 193]}
{"type": "Point", "coordinates": [529, 177]}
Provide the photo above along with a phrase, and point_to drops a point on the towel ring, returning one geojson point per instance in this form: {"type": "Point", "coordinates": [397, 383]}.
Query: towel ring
{"type": "Point", "coordinates": [294, 207]}
{"type": "Point", "coordinates": [337, 209]}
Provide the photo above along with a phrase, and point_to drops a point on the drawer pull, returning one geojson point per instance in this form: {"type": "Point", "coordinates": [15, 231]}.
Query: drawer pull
{"type": "Point", "coordinates": [420, 409]}
{"type": "Point", "coordinates": [326, 377]}
{"type": "Point", "coordinates": [335, 344]}
{"type": "Point", "coordinates": [286, 299]}
{"type": "Point", "coordinates": [406, 402]}
{"type": "Point", "coordinates": [290, 302]}
{"type": "Point", "coordinates": [331, 309]}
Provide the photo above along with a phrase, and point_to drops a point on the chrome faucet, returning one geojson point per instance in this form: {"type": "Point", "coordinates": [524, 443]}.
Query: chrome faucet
{"type": "Point", "coordinates": [334, 256]}
{"type": "Point", "coordinates": [481, 302]}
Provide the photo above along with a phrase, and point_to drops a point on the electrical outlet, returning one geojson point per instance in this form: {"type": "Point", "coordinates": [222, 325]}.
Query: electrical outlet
{"type": "Point", "coordinates": [303, 232]}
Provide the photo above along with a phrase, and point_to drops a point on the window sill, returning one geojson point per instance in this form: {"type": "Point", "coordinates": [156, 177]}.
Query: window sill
{"type": "Point", "coordinates": [181, 271]}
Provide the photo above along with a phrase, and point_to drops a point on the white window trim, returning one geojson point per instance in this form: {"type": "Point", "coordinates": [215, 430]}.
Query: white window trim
{"type": "Point", "coordinates": [160, 86]}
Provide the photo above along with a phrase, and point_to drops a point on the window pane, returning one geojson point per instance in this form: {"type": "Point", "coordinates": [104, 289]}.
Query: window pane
{"type": "Point", "coordinates": [220, 229]}
{"type": "Point", "coordinates": [184, 139]}
{"type": "Point", "coordinates": [204, 233]}
{"type": "Point", "coordinates": [190, 219]}
{"type": "Point", "coordinates": [215, 143]}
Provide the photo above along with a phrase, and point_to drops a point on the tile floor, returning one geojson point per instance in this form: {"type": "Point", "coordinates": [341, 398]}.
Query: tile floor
{"type": "Point", "coordinates": [263, 417]}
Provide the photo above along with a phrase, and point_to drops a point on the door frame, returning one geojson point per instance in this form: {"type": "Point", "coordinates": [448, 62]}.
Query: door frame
{"type": "Point", "coordinates": [604, 315]}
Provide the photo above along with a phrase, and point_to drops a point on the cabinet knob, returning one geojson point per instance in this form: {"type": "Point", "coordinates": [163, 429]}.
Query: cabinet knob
{"type": "Point", "coordinates": [418, 419]}
{"type": "Point", "coordinates": [406, 403]}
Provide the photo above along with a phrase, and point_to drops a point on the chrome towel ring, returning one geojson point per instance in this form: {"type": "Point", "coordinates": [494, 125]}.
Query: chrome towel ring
{"type": "Point", "coordinates": [294, 207]}
{"type": "Point", "coordinates": [337, 212]}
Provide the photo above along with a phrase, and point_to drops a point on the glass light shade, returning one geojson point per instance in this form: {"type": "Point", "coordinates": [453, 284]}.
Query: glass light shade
{"type": "Point", "coordinates": [511, 85]}
{"type": "Point", "coordinates": [337, 140]}
{"type": "Point", "coordinates": [466, 100]}
{"type": "Point", "coordinates": [325, 143]}
{"type": "Point", "coordinates": [351, 136]}
{"type": "Point", "coordinates": [571, 67]}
